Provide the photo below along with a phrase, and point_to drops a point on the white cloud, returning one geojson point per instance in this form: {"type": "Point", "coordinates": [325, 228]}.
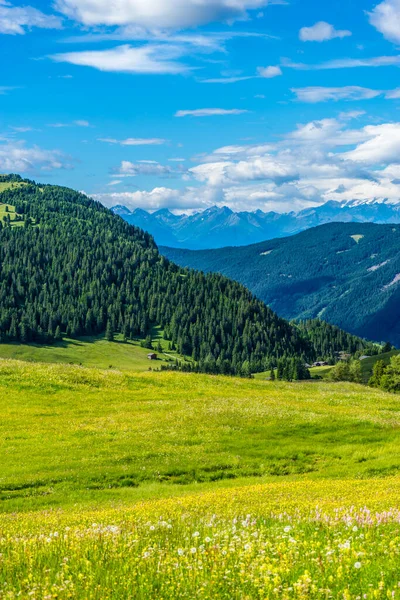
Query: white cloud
{"type": "Point", "coordinates": [386, 19]}
{"type": "Point", "coordinates": [382, 147]}
{"type": "Point", "coordinates": [252, 169]}
{"type": "Point", "coordinates": [15, 20]}
{"type": "Point", "coordinates": [327, 159]}
{"type": "Point", "coordinates": [78, 123]}
{"type": "Point", "coordinates": [321, 32]}
{"type": "Point", "coordinates": [22, 129]}
{"type": "Point", "coordinates": [170, 14]}
{"type": "Point", "coordinates": [209, 112]}
{"type": "Point", "coordinates": [161, 197]}
{"type": "Point", "coordinates": [323, 94]}
{"type": "Point", "coordinates": [269, 72]}
{"type": "Point", "coordinates": [17, 157]}
{"type": "Point", "coordinates": [144, 168]}
{"type": "Point", "coordinates": [135, 141]}
{"type": "Point", "coordinates": [345, 63]}
{"type": "Point", "coordinates": [226, 80]}
{"type": "Point", "coordinates": [149, 59]}
{"type": "Point", "coordinates": [393, 94]}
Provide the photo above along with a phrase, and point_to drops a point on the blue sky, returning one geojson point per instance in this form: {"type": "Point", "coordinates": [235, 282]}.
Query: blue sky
{"type": "Point", "coordinates": [189, 103]}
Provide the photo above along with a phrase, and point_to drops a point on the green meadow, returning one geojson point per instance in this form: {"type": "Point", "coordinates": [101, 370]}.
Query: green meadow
{"type": "Point", "coordinates": [75, 435]}
{"type": "Point", "coordinates": [129, 484]}
{"type": "Point", "coordinates": [93, 352]}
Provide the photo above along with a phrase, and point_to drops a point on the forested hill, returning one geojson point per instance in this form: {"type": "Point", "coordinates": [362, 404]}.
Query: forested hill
{"type": "Point", "coordinates": [347, 274]}
{"type": "Point", "coordinates": [69, 266]}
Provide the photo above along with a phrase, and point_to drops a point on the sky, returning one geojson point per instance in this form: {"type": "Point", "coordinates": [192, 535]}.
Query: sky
{"type": "Point", "coordinates": [185, 104]}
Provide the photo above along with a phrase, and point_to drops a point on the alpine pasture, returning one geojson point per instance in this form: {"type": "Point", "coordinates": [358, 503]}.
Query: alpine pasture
{"type": "Point", "coordinates": [119, 484]}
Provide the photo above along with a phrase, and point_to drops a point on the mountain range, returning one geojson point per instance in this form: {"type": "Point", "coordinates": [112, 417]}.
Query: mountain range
{"type": "Point", "coordinates": [219, 227]}
{"type": "Point", "coordinates": [347, 274]}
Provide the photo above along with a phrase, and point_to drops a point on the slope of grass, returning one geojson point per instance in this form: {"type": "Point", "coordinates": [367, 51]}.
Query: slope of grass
{"type": "Point", "coordinates": [367, 364]}
{"type": "Point", "coordinates": [92, 352]}
{"type": "Point", "coordinates": [70, 434]}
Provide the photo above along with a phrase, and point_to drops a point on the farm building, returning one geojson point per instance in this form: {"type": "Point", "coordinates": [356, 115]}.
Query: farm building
{"type": "Point", "coordinates": [152, 356]}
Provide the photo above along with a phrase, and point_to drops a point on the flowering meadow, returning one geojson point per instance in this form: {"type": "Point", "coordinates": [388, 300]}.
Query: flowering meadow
{"type": "Point", "coordinates": [142, 486]}
{"type": "Point", "coordinates": [322, 539]}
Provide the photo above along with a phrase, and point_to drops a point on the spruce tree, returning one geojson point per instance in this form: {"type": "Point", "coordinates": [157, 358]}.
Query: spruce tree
{"type": "Point", "coordinates": [109, 332]}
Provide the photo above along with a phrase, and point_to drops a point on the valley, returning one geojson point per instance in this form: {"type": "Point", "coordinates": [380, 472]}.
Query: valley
{"type": "Point", "coordinates": [343, 273]}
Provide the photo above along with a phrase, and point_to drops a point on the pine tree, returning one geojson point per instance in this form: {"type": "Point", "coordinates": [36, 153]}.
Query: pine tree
{"type": "Point", "coordinates": [109, 332]}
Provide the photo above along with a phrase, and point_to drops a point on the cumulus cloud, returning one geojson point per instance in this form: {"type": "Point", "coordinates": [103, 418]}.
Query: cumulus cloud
{"type": "Point", "coordinates": [16, 20]}
{"type": "Point", "coordinates": [322, 32]}
{"type": "Point", "coordinates": [210, 112]}
{"type": "Point", "coordinates": [16, 157]}
{"type": "Point", "coordinates": [171, 14]}
{"type": "Point", "coordinates": [269, 72]}
{"type": "Point", "coordinates": [315, 94]}
{"type": "Point", "coordinates": [252, 169]}
{"type": "Point", "coordinates": [322, 160]}
{"type": "Point", "coordinates": [134, 141]}
{"type": "Point", "coordinates": [149, 59]}
{"type": "Point", "coordinates": [386, 19]}
{"type": "Point", "coordinates": [382, 147]}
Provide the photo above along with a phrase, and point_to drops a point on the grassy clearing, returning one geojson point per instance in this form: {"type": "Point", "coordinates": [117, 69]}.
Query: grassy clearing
{"type": "Point", "coordinates": [74, 435]}
{"type": "Point", "coordinates": [7, 185]}
{"type": "Point", "coordinates": [92, 352]}
{"type": "Point", "coordinates": [292, 540]}
{"type": "Point", "coordinates": [7, 209]}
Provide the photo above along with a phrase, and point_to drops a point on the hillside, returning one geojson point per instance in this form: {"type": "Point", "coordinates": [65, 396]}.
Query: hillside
{"type": "Point", "coordinates": [75, 269]}
{"type": "Point", "coordinates": [346, 274]}
{"type": "Point", "coordinates": [217, 227]}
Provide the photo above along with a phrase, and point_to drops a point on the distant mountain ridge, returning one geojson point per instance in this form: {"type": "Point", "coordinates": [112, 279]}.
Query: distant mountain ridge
{"type": "Point", "coordinates": [217, 227]}
{"type": "Point", "coordinates": [344, 273]}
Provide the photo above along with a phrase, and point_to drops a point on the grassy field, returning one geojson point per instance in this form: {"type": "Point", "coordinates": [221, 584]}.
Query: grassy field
{"type": "Point", "coordinates": [70, 434]}
{"type": "Point", "coordinates": [122, 485]}
{"type": "Point", "coordinates": [92, 352]}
